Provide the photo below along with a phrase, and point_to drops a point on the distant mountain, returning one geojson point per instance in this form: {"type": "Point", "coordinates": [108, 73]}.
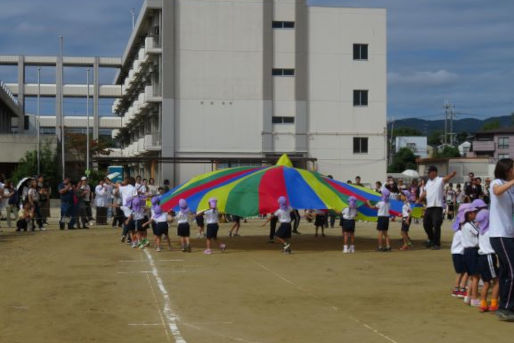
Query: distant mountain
{"type": "Point", "coordinates": [469, 125]}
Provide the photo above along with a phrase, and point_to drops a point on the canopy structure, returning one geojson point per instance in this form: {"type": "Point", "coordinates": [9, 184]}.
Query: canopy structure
{"type": "Point", "coordinates": [249, 191]}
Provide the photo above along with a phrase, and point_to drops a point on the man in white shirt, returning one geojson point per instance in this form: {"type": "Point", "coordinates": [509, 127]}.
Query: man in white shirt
{"type": "Point", "coordinates": [433, 192]}
{"type": "Point", "coordinates": [101, 203]}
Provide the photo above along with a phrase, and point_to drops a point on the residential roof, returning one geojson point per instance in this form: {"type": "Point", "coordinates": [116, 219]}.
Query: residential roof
{"type": "Point", "coordinates": [500, 130]}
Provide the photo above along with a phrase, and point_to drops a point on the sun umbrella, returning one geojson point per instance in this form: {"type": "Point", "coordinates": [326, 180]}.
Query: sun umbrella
{"type": "Point", "coordinates": [252, 191]}
{"type": "Point", "coordinates": [410, 173]}
{"type": "Point", "coordinates": [22, 182]}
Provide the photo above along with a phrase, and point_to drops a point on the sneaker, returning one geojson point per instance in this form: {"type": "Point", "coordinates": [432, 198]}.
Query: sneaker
{"type": "Point", "coordinates": [387, 249]}
{"type": "Point", "coordinates": [428, 244]}
{"type": "Point", "coordinates": [436, 247]}
{"type": "Point", "coordinates": [123, 239]}
{"type": "Point", "coordinates": [271, 241]}
{"type": "Point", "coordinates": [409, 244]}
{"type": "Point", "coordinates": [492, 308]}
{"type": "Point", "coordinates": [286, 247]}
{"type": "Point", "coordinates": [147, 243]}
{"type": "Point", "coordinates": [207, 251]}
{"type": "Point", "coordinates": [505, 315]}
{"type": "Point", "coordinates": [230, 234]}
{"type": "Point", "coordinates": [483, 308]}
{"type": "Point", "coordinates": [352, 249]}
{"type": "Point", "coordinates": [380, 249]}
{"type": "Point", "coordinates": [462, 293]}
{"type": "Point", "coordinates": [237, 235]}
{"type": "Point", "coordinates": [223, 247]}
{"type": "Point", "coordinates": [42, 229]}
{"type": "Point", "coordinates": [404, 247]}
{"type": "Point", "coordinates": [467, 299]}
{"type": "Point", "coordinates": [345, 249]}
{"type": "Point", "coordinates": [158, 249]}
{"type": "Point", "coordinates": [455, 292]}
{"type": "Point", "coordinates": [188, 248]}
{"type": "Point", "coordinates": [134, 245]}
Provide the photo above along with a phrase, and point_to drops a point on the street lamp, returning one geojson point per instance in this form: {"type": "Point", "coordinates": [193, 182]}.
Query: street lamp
{"type": "Point", "coordinates": [87, 125]}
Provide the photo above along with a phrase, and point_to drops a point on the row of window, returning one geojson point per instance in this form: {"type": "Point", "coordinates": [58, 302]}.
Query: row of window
{"type": "Point", "coordinates": [282, 72]}
{"type": "Point", "coordinates": [283, 24]}
{"type": "Point", "coordinates": [503, 142]}
{"type": "Point", "coordinates": [282, 120]}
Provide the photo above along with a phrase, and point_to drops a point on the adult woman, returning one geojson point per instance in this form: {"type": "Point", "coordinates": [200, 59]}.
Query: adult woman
{"type": "Point", "coordinates": [501, 232]}
{"type": "Point", "coordinates": [33, 197]}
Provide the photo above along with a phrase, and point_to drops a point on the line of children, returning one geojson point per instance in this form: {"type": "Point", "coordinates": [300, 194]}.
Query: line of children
{"type": "Point", "coordinates": [457, 251]}
{"type": "Point", "coordinates": [470, 243]}
{"type": "Point", "coordinates": [348, 223]}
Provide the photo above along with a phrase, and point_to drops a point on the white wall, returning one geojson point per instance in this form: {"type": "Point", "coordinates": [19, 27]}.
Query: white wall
{"type": "Point", "coordinates": [333, 75]}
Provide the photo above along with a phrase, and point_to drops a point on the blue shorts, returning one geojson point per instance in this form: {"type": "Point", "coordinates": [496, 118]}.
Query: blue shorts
{"type": "Point", "coordinates": [383, 223]}
{"type": "Point", "coordinates": [488, 267]}
{"type": "Point", "coordinates": [212, 231]}
{"type": "Point", "coordinates": [160, 229]}
{"type": "Point", "coordinates": [348, 225]}
{"type": "Point", "coordinates": [284, 231]}
{"type": "Point", "coordinates": [471, 261]}
{"type": "Point", "coordinates": [183, 230]}
{"type": "Point", "coordinates": [458, 263]}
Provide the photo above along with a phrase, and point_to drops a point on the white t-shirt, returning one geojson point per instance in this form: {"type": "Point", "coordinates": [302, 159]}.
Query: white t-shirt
{"type": "Point", "coordinates": [349, 213]}
{"type": "Point", "coordinates": [161, 218]}
{"type": "Point", "coordinates": [211, 216]}
{"type": "Point", "coordinates": [435, 192]}
{"type": "Point", "coordinates": [406, 209]}
{"type": "Point", "coordinates": [34, 194]}
{"type": "Point", "coordinates": [100, 196]}
{"type": "Point", "coordinates": [484, 244]}
{"type": "Point", "coordinates": [457, 248]}
{"type": "Point", "coordinates": [127, 192]}
{"type": "Point", "coordinates": [138, 215]}
{"type": "Point", "coordinates": [500, 212]}
{"type": "Point", "coordinates": [284, 216]}
{"type": "Point", "coordinates": [383, 209]}
{"type": "Point", "coordinates": [469, 235]}
{"type": "Point", "coordinates": [182, 217]}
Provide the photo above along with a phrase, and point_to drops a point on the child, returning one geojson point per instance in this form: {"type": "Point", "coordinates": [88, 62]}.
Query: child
{"type": "Point", "coordinates": [319, 222]}
{"type": "Point", "coordinates": [348, 223]}
{"type": "Point", "coordinates": [25, 215]}
{"type": "Point", "coordinates": [160, 219]}
{"type": "Point", "coordinates": [138, 215]}
{"type": "Point", "coordinates": [284, 217]}
{"type": "Point", "coordinates": [200, 223]}
{"type": "Point", "coordinates": [487, 262]}
{"type": "Point", "coordinates": [457, 251]}
{"type": "Point", "coordinates": [211, 216]}
{"type": "Point", "coordinates": [183, 230]}
{"type": "Point", "coordinates": [272, 227]}
{"type": "Point", "coordinates": [234, 230]}
{"type": "Point", "coordinates": [406, 220]}
{"type": "Point", "coordinates": [470, 243]}
{"type": "Point", "coordinates": [383, 220]}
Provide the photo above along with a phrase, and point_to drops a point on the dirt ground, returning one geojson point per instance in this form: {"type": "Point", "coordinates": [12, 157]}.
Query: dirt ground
{"type": "Point", "coordinates": [84, 286]}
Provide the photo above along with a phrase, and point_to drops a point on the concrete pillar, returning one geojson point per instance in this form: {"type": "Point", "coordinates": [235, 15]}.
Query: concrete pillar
{"type": "Point", "coordinates": [267, 78]}
{"type": "Point", "coordinates": [21, 93]}
{"type": "Point", "coordinates": [96, 92]}
{"type": "Point", "coordinates": [59, 120]}
{"type": "Point", "coordinates": [301, 77]}
{"type": "Point", "coordinates": [167, 74]}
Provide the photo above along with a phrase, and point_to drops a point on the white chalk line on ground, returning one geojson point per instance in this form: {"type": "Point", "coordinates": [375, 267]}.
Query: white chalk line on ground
{"type": "Point", "coordinates": [215, 333]}
{"type": "Point", "coordinates": [171, 317]}
{"type": "Point", "coordinates": [335, 308]}
{"type": "Point", "coordinates": [146, 324]}
{"type": "Point", "coordinates": [138, 261]}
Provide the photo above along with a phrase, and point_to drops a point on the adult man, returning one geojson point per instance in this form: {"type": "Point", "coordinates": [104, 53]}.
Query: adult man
{"type": "Point", "coordinates": [127, 191]}
{"type": "Point", "coordinates": [86, 198]}
{"type": "Point", "coordinates": [433, 192]}
{"type": "Point", "coordinates": [65, 190]}
{"type": "Point", "coordinates": [101, 194]}
{"type": "Point", "coordinates": [468, 185]}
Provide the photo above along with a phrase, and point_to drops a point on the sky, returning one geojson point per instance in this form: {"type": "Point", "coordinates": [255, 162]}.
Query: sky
{"type": "Point", "coordinates": [458, 51]}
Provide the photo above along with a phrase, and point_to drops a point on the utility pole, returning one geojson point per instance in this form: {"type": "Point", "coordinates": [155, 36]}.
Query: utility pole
{"type": "Point", "coordinates": [38, 126]}
{"type": "Point", "coordinates": [61, 44]}
{"type": "Point", "coordinates": [391, 143]}
{"type": "Point", "coordinates": [446, 113]}
{"type": "Point", "coordinates": [87, 123]}
{"type": "Point", "coordinates": [452, 117]}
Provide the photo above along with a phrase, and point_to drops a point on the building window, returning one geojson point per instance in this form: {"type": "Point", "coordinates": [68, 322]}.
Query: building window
{"type": "Point", "coordinates": [282, 72]}
{"type": "Point", "coordinates": [360, 98]}
{"type": "Point", "coordinates": [360, 52]}
{"type": "Point", "coordinates": [503, 142]}
{"type": "Point", "coordinates": [360, 145]}
{"type": "Point", "coordinates": [282, 120]}
{"type": "Point", "coordinates": [283, 24]}
{"type": "Point", "coordinates": [501, 156]}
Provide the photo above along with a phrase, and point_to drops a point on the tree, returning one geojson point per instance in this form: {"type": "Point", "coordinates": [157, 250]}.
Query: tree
{"type": "Point", "coordinates": [435, 138]}
{"type": "Point", "coordinates": [28, 166]}
{"type": "Point", "coordinates": [491, 125]}
{"type": "Point", "coordinates": [447, 152]}
{"type": "Point", "coordinates": [406, 131]}
{"type": "Point", "coordinates": [403, 159]}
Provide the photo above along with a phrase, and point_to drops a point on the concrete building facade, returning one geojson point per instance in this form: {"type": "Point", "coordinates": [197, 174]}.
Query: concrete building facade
{"type": "Point", "coordinates": [497, 144]}
{"type": "Point", "coordinates": [223, 79]}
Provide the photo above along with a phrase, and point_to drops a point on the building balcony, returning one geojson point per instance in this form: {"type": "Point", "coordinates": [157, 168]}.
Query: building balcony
{"type": "Point", "coordinates": [151, 46]}
{"type": "Point", "coordinates": [484, 146]}
{"type": "Point", "coordinates": [141, 145]}
{"type": "Point", "coordinates": [152, 142]}
{"type": "Point", "coordinates": [151, 95]}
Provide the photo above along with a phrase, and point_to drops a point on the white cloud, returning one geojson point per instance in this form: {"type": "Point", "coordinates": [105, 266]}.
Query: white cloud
{"type": "Point", "coordinates": [423, 78]}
